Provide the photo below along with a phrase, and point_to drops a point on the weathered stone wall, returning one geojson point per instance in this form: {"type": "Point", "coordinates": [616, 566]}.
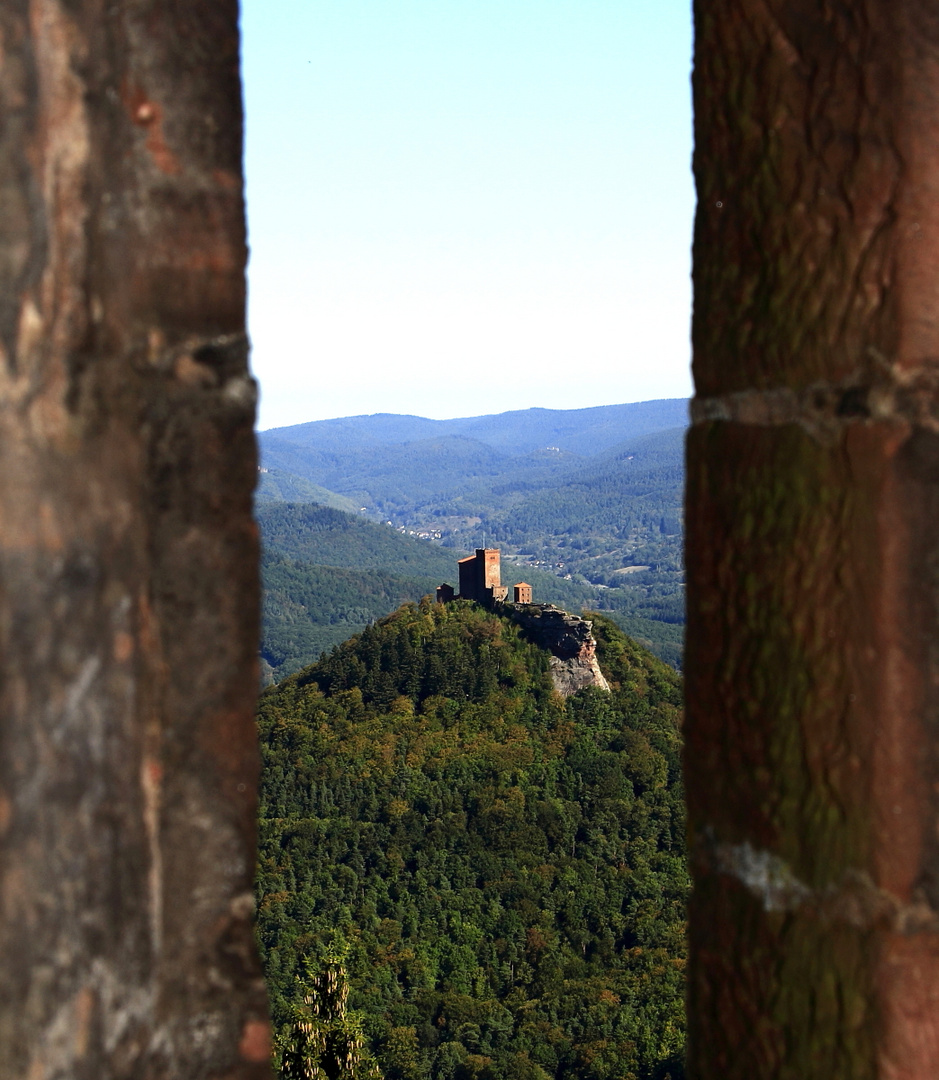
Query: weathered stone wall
{"type": "Point", "coordinates": [813, 542]}
{"type": "Point", "coordinates": [128, 587]}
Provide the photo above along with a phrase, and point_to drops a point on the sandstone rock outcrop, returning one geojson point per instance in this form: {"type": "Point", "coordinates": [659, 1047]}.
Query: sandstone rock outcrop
{"type": "Point", "coordinates": [569, 638]}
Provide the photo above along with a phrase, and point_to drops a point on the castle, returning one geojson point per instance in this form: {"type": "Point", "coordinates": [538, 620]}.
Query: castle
{"type": "Point", "coordinates": [568, 638]}
{"type": "Point", "coordinates": [480, 580]}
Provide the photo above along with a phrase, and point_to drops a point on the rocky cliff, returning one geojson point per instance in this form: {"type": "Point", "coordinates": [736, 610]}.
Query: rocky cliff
{"type": "Point", "coordinates": [568, 638]}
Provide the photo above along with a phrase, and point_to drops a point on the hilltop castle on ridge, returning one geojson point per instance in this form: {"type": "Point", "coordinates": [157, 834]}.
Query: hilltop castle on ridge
{"type": "Point", "coordinates": [480, 580]}
{"type": "Point", "coordinates": [569, 638]}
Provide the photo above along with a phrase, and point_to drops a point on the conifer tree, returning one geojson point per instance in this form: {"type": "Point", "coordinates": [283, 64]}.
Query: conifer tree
{"type": "Point", "coordinates": [326, 1040]}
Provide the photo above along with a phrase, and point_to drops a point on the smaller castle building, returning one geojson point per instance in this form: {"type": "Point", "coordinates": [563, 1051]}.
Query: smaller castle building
{"type": "Point", "coordinates": [481, 580]}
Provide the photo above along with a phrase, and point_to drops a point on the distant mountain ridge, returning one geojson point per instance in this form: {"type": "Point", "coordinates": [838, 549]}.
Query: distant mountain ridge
{"type": "Point", "coordinates": [394, 467]}
{"type": "Point", "coordinates": [275, 485]}
{"type": "Point", "coordinates": [585, 432]}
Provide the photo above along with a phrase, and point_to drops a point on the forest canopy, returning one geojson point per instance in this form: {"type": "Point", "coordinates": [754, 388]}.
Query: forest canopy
{"type": "Point", "coordinates": [502, 869]}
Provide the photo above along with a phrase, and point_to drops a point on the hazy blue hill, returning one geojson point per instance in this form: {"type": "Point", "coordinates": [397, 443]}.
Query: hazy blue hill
{"type": "Point", "coordinates": [585, 432]}
{"type": "Point", "coordinates": [470, 477]}
{"type": "Point", "coordinates": [660, 448]}
{"type": "Point", "coordinates": [398, 474]}
{"type": "Point", "coordinates": [348, 432]}
{"type": "Point", "coordinates": [592, 517]}
{"type": "Point", "coordinates": [302, 461]}
{"type": "Point", "coordinates": [580, 431]}
{"type": "Point", "coordinates": [276, 485]}
{"type": "Point", "coordinates": [492, 456]}
{"type": "Point", "coordinates": [650, 465]}
{"type": "Point", "coordinates": [319, 535]}
{"type": "Point", "coordinates": [641, 484]}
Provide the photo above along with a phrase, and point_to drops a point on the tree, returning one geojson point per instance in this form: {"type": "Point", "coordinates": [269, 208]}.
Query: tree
{"type": "Point", "coordinates": [326, 1040]}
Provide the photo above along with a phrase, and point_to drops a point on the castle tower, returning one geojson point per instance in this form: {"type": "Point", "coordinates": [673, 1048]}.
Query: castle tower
{"type": "Point", "coordinates": [480, 576]}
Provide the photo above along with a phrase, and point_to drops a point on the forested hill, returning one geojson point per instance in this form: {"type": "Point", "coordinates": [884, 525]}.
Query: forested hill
{"type": "Point", "coordinates": [502, 868]}
{"type": "Point", "coordinates": [328, 573]}
{"type": "Point", "coordinates": [329, 537]}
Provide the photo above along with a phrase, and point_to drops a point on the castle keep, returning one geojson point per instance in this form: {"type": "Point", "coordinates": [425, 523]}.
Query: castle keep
{"type": "Point", "coordinates": [480, 576]}
{"type": "Point", "coordinates": [480, 580]}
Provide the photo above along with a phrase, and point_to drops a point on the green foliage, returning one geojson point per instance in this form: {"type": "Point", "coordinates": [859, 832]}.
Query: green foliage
{"type": "Point", "coordinates": [309, 609]}
{"type": "Point", "coordinates": [506, 866]}
{"type": "Point", "coordinates": [324, 1041]}
{"type": "Point", "coordinates": [275, 485]}
{"type": "Point", "coordinates": [319, 534]}
{"type": "Point", "coordinates": [665, 639]}
{"type": "Point", "coordinates": [327, 574]}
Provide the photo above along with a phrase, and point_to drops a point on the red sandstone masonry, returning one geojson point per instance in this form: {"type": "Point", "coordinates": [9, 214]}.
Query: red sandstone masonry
{"type": "Point", "coordinates": [128, 581]}
{"type": "Point", "coordinates": [812, 516]}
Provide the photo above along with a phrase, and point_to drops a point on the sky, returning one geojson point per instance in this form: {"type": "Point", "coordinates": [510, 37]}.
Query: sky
{"type": "Point", "coordinates": [458, 207]}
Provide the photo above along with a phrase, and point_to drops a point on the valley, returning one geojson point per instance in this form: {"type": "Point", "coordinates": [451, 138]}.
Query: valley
{"type": "Point", "coordinates": [585, 503]}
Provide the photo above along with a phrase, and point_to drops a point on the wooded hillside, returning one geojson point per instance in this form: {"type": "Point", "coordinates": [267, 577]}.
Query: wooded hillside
{"type": "Point", "coordinates": [327, 574]}
{"type": "Point", "coordinates": [503, 868]}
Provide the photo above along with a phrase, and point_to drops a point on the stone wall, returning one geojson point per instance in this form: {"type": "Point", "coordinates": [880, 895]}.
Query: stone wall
{"type": "Point", "coordinates": [812, 661]}
{"type": "Point", "coordinates": [128, 580]}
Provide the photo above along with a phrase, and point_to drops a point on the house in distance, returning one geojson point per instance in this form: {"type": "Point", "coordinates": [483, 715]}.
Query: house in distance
{"type": "Point", "coordinates": [480, 580]}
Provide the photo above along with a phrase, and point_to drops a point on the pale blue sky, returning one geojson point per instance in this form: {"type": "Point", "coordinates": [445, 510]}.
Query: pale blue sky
{"type": "Point", "coordinates": [437, 187]}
